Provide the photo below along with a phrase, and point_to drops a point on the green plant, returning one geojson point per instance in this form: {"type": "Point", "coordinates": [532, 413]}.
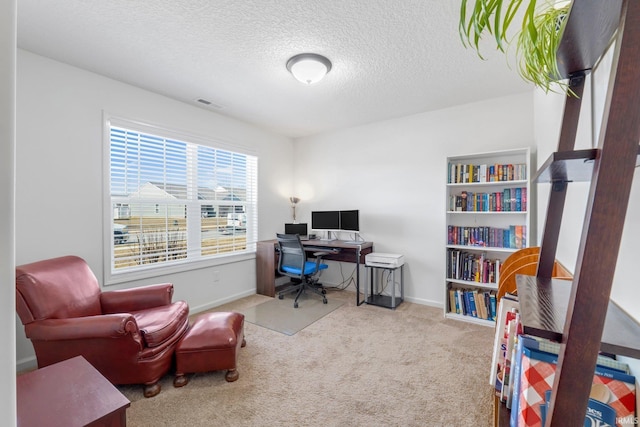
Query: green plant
{"type": "Point", "coordinates": [537, 38]}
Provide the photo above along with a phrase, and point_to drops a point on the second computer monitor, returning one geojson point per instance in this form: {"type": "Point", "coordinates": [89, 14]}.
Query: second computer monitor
{"type": "Point", "coordinates": [325, 220]}
{"type": "Point", "coordinates": [349, 220]}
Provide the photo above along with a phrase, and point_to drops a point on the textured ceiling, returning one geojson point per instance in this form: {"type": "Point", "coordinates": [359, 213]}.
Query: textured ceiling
{"type": "Point", "coordinates": [390, 58]}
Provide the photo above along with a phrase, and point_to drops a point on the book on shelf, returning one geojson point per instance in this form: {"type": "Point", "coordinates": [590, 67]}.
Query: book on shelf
{"type": "Point", "coordinates": [534, 372]}
{"type": "Point", "coordinates": [453, 303]}
{"type": "Point", "coordinates": [507, 200]}
{"type": "Point", "coordinates": [514, 328]}
{"type": "Point", "coordinates": [517, 379]}
{"type": "Point", "coordinates": [481, 306]}
{"type": "Point", "coordinates": [463, 308]}
{"type": "Point", "coordinates": [470, 310]}
{"type": "Point", "coordinates": [472, 266]}
{"type": "Point", "coordinates": [480, 173]}
{"type": "Point", "coordinates": [598, 414]}
{"type": "Point", "coordinates": [487, 237]}
{"type": "Point", "coordinates": [505, 305]}
{"type": "Point", "coordinates": [472, 302]}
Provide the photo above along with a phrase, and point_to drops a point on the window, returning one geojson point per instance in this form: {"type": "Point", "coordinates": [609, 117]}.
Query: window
{"type": "Point", "coordinates": [173, 201]}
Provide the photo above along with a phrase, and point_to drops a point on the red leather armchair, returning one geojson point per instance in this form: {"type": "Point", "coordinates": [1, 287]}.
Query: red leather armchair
{"type": "Point", "coordinates": [128, 335]}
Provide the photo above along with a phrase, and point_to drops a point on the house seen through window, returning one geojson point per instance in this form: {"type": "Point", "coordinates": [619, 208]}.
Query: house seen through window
{"type": "Point", "coordinates": [175, 202]}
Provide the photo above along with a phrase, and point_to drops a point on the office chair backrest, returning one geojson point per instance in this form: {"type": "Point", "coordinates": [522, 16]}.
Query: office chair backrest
{"type": "Point", "coordinates": [291, 253]}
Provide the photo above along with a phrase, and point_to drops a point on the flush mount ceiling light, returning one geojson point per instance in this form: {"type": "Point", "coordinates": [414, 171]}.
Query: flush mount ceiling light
{"type": "Point", "coordinates": [308, 68]}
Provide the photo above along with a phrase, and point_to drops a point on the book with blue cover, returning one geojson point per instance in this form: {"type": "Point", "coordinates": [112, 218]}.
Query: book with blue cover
{"type": "Point", "coordinates": [598, 414]}
{"type": "Point", "coordinates": [611, 381]}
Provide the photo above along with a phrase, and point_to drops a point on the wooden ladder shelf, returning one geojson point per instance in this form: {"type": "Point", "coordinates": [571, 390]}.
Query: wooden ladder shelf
{"type": "Point", "coordinates": [579, 314]}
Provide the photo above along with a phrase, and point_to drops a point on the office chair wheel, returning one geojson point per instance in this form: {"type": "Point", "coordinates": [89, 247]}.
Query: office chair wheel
{"type": "Point", "coordinates": [280, 296]}
{"type": "Point", "coordinates": [295, 305]}
{"type": "Point", "coordinates": [324, 300]}
{"type": "Point", "coordinates": [324, 291]}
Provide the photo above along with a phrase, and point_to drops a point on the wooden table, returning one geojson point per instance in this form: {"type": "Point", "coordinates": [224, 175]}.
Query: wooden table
{"type": "Point", "coordinates": [346, 251]}
{"type": "Point", "coordinates": [68, 394]}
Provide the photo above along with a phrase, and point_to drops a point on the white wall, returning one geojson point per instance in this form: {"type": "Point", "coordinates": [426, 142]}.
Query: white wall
{"type": "Point", "coordinates": [7, 212]}
{"type": "Point", "coordinates": [59, 173]}
{"type": "Point", "coordinates": [548, 116]}
{"type": "Point", "coordinates": [394, 172]}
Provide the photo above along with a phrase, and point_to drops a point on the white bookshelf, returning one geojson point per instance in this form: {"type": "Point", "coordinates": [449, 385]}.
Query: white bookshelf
{"type": "Point", "coordinates": [485, 228]}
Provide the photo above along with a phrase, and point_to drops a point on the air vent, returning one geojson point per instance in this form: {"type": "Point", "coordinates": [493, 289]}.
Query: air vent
{"type": "Point", "coordinates": [209, 103]}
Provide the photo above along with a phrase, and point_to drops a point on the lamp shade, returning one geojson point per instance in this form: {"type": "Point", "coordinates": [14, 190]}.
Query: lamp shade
{"type": "Point", "coordinates": [308, 68]}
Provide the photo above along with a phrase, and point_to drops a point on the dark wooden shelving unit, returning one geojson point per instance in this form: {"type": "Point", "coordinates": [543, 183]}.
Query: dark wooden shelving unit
{"type": "Point", "coordinates": [567, 166]}
{"type": "Point", "coordinates": [544, 307]}
{"type": "Point", "coordinates": [587, 35]}
{"type": "Point", "coordinates": [570, 166]}
{"type": "Point", "coordinates": [578, 313]}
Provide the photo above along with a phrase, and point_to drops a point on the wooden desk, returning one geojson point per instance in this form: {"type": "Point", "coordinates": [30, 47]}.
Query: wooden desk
{"type": "Point", "coordinates": [267, 261]}
{"type": "Point", "coordinates": [68, 394]}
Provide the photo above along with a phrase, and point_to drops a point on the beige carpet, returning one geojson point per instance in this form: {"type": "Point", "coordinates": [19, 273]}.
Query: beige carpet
{"type": "Point", "coordinates": [356, 366]}
{"type": "Point", "coordinates": [280, 315]}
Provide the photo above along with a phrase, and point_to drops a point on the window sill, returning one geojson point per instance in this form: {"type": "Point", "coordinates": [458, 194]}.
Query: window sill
{"type": "Point", "coordinates": [155, 271]}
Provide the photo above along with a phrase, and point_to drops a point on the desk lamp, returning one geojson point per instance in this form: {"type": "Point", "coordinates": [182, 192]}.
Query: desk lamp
{"type": "Point", "coordinates": [294, 201]}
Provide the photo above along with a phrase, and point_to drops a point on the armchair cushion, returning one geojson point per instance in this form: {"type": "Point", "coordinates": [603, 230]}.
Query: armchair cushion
{"type": "Point", "coordinates": [159, 324]}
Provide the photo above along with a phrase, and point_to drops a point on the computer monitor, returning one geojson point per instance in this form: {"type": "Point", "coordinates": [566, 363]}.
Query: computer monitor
{"type": "Point", "coordinates": [349, 220]}
{"type": "Point", "coordinates": [325, 220]}
{"type": "Point", "coordinates": [299, 229]}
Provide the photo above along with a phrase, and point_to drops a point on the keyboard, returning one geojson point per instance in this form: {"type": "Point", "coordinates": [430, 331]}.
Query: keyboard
{"type": "Point", "coordinates": [321, 249]}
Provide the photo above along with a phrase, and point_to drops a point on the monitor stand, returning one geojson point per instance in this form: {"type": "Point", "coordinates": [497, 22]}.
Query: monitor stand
{"type": "Point", "coordinates": [329, 238]}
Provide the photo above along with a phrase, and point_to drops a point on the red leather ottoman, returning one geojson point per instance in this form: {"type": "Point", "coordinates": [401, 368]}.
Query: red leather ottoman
{"type": "Point", "coordinates": [211, 344]}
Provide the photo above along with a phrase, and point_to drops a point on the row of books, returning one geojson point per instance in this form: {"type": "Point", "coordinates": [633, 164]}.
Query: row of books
{"type": "Point", "coordinates": [473, 302]}
{"type": "Point", "coordinates": [507, 200]}
{"type": "Point", "coordinates": [461, 173]}
{"type": "Point", "coordinates": [523, 370]}
{"type": "Point", "coordinates": [514, 237]}
{"type": "Point", "coordinates": [474, 267]}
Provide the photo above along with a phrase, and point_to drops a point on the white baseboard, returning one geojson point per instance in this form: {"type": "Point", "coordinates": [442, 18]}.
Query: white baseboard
{"type": "Point", "coordinates": [216, 303]}
{"type": "Point", "coordinates": [26, 364]}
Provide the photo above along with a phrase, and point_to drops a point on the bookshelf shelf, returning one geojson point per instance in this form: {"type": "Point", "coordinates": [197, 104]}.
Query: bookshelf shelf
{"type": "Point", "coordinates": [481, 248]}
{"type": "Point", "coordinates": [488, 195]}
{"type": "Point", "coordinates": [587, 35]}
{"type": "Point", "coordinates": [511, 183]}
{"type": "Point", "coordinates": [470, 319]}
{"type": "Point", "coordinates": [567, 166]}
{"type": "Point", "coordinates": [543, 307]}
{"type": "Point", "coordinates": [487, 212]}
{"type": "Point", "coordinates": [474, 284]}
{"type": "Point", "coordinates": [570, 166]}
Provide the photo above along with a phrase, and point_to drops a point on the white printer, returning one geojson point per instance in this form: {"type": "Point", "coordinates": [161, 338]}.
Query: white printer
{"type": "Point", "coordinates": [382, 260]}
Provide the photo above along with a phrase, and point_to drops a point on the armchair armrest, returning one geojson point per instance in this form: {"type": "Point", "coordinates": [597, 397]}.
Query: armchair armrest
{"type": "Point", "coordinates": [136, 299]}
{"type": "Point", "coordinates": [103, 326]}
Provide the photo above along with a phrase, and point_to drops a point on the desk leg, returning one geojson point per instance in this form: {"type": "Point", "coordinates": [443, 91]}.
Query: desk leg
{"type": "Point", "coordinates": [393, 288]}
{"type": "Point", "coordinates": [358, 302]}
{"type": "Point", "coordinates": [265, 269]}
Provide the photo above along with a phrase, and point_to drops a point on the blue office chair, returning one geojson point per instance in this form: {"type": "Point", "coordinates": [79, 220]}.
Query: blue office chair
{"type": "Point", "coordinates": [293, 263]}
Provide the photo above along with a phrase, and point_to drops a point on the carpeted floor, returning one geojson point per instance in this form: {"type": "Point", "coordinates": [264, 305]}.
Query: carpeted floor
{"type": "Point", "coordinates": [356, 366]}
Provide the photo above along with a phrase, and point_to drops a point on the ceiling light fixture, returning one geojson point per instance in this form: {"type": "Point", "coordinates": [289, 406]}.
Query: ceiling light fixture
{"type": "Point", "coordinates": [308, 68]}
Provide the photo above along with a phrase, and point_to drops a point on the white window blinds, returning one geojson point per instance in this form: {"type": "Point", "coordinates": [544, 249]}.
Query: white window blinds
{"type": "Point", "coordinates": [173, 201]}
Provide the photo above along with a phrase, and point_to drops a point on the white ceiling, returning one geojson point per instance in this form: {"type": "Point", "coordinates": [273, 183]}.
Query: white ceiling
{"type": "Point", "coordinates": [391, 58]}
